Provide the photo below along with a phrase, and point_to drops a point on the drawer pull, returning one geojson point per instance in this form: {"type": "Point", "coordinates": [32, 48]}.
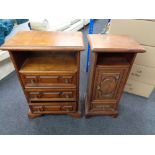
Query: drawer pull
{"type": "Point", "coordinates": [98, 87]}
{"type": "Point", "coordinates": [66, 81]}
{"type": "Point", "coordinates": [30, 77]}
{"type": "Point", "coordinates": [36, 94]}
{"type": "Point", "coordinates": [39, 96]}
{"type": "Point", "coordinates": [52, 93]}
{"type": "Point", "coordinates": [67, 95]}
{"type": "Point", "coordinates": [32, 81]}
{"type": "Point", "coordinates": [49, 77]}
{"type": "Point", "coordinates": [67, 108]}
{"type": "Point", "coordinates": [39, 109]}
{"type": "Point", "coordinates": [103, 106]}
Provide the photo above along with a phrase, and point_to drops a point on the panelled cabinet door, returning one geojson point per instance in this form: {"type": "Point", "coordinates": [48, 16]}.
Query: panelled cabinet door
{"type": "Point", "coordinates": [107, 83]}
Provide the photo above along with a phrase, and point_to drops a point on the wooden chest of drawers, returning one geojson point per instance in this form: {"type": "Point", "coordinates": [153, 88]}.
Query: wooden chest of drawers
{"type": "Point", "coordinates": [111, 60]}
{"type": "Point", "coordinates": [48, 66]}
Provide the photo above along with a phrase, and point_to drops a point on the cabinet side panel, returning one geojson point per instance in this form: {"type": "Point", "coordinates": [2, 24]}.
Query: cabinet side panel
{"type": "Point", "coordinates": [132, 58]}
{"type": "Point", "coordinates": [91, 77]}
{"type": "Point", "coordinates": [18, 60]}
{"type": "Point", "coordinates": [78, 78]}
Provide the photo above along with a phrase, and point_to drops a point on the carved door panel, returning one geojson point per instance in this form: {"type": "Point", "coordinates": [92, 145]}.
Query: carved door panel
{"type": "Point", "coordinates": [108, 83]}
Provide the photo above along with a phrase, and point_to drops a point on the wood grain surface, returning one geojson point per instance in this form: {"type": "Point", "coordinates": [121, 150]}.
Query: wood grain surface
{"type": "Point", "coordinates": [113, 43]}
{"type": "Point", "coordinates": [43, 40]}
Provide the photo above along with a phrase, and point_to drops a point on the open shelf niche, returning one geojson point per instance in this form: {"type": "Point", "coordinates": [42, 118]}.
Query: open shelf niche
{"type": "Point", "coordinates": [47, 61]}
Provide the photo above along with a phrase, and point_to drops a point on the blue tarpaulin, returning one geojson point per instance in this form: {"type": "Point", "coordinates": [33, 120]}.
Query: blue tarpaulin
{"type": "Point", "coordinates": [6, 26]}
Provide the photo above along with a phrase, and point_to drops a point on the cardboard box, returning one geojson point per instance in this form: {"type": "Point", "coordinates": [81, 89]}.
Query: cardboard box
{"type": "Point", "coordinates": [147, 58]}
{"type": "Point", "coordinates": [143, 74]}
{"type": "Point", "coordinates": [138, 88]}
{"type": "Point", "coordinates": [141, 30]}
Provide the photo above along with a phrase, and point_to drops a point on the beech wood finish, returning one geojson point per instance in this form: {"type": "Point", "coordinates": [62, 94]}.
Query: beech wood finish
{"type": "Point", "coordinates": [48, 66]}
{"type": "Point", "coordinates": [112, 57]}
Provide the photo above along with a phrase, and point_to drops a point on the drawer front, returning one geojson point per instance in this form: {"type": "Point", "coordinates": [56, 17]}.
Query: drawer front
{"type": "Point", "coordinates": [102, 107]}
{"type": "Point", "coordinates": [108, 83]}
{"type": "Point", "coordinates": [52, 108]}
{"type": "Point", "coordinates": [48, 80]}
{"type": "Point", "coordinates": [51, 94]}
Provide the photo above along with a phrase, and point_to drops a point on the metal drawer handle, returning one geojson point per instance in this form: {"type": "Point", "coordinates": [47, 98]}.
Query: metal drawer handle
{"type": "Point", "coordinates": [48, 77]}
{"type": "Point", "coordinates": [32, 81]}
{"type": "Point", "coordinates": [67, 95]}
{"type": "Point", "coordinates": [67, 108]}
{"type": "Point", "coordinates": [98, 87]}
{"type": "Point", "coordinates": [41, 109]}
{"type": "Point", "coordinates": [66, 81]}
{"type": "Point", "coordinates": [103, 106]}
{"type": "Point", "coordinates": [38, 95]}
{"type": "Point", "coordinates": [35, 94]}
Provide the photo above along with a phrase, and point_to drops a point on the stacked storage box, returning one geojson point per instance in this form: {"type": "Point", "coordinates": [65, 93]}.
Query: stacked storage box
{"type": "Point", "coordinates": [142, 77]}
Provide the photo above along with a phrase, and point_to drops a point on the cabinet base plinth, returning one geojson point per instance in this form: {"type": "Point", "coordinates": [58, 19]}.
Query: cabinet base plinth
{"type": "Point", "coordinates": [109, 113]}
{"type": "Point", "coordinates": [106, 113]}
{"type": "Point", "coordinates": [75, 115]}
{"type": "Point", "coordinates": [32, 115]}
{"type": "Point", "coordinates": [88, 113]}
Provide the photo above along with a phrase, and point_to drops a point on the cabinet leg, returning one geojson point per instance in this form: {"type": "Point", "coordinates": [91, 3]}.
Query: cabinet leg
{"type": "Point", "coordinates": [115, 115]}
{"type": "Point", "coordinates": [87, 116]}
{"type": "Point", "coordinates": [31, 115]}
{"type": "Point", "coordinates": [75, 115]}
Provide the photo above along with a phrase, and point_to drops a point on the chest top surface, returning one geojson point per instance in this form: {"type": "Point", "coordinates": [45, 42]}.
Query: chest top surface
{"type": "Point", "coordinates": [114, 43]}
{"type": "Point", "coordinates": [43, 40]}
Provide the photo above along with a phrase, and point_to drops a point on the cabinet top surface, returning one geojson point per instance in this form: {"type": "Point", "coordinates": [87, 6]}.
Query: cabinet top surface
{"type": "Point", "coordinates": [44, 40]}
{"type": "Point", "coordinates": [113, 43]}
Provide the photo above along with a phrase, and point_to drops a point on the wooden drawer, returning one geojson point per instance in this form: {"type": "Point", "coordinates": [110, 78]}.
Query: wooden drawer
{"type": "Point", "coordinates": [55, 107]}
{"type": "Point", "coordinates": [101, 106]}
{"type": "Point", "coordinates": [107, 104]}
{"type": "Point", "coordinates": [51, 94]}
{"type": "Point", "coordinates": [34, 80]}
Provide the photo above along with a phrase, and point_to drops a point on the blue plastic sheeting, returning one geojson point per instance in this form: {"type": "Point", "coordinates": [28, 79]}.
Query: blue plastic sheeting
{"type": "Point", "coordinates": [6, 26]}
{"type": "Point", "coordinates": [91, 26]}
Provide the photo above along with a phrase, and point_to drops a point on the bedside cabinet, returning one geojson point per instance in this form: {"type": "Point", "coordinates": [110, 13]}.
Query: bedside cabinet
{"type": "Point", "coordinates": [48, 68]}
{"type": "Point", "coordinates": [112, 57]}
